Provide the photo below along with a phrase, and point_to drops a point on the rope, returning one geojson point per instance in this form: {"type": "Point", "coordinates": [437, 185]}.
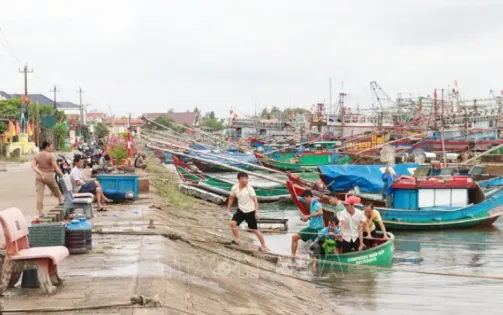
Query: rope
{"type": "Point", "coordinates": [188, 226]}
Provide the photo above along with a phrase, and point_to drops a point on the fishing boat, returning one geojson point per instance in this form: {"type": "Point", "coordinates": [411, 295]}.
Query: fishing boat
{"type": "Point", "coordinates": [215, 168]}
{"type": "Point", "coordinates": [305, 161]}
{"type": "Point", "coordinates": [223, 186]}
{"type": "Point", "coordinates": [380, 255]}
{"type": "Point", "coordinates": [434, 203]}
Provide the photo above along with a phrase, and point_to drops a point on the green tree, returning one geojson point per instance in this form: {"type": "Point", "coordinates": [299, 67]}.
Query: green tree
{"type": "Point", "coordinates": [60, 134]}
{"type": "Point", "coordinates": [197, 110]}
{"type": "Point", "coordinates": [101, 130]}
{"type": "Point", "coordinates": [214, 124]}
{"type": "Point", "coordinates": [167, 121]}
{"type": "Point", "coordinates": [210, 115]}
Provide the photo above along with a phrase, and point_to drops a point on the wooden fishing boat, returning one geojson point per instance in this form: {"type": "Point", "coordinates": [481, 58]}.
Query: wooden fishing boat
{"type": "Point", "coordinates": [308, 161]}
{"type": "Point", "coordinates": [223, 187]}
{"type": "Point", "coordinates": [434, 203]}
{"type": "Point", "coordinates": [215, 168]}
{"type": "Point", "coordinates": [380, 255]}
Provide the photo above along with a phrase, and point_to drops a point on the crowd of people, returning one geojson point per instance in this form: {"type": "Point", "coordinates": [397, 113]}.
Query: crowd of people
{"type": "Point", "coordinates": [45, 166]}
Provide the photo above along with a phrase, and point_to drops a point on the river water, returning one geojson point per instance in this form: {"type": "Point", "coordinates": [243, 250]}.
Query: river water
{"type": "Point", "coordinates": [400, 290]}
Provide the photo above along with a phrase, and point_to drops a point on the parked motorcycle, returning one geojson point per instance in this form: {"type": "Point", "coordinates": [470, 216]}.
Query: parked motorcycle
{"type": "Point", "coordinates": [65, 166]}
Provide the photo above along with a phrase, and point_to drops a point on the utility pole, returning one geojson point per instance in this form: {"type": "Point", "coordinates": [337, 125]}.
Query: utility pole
{"type": "Point", "coordinates": [25, 103]}
{"type": "Point", "coordinates": [80, 91]}
{"type": "Point", "coordinates": [55, 90]}
{"type": "Point", "coordinates": [129, 142]}
{"type": "Point", "coordinates": [25, 71]}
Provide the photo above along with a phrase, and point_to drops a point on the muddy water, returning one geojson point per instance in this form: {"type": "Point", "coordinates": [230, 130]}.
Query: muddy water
{"type": "Point", "coordinates": [399, 292]}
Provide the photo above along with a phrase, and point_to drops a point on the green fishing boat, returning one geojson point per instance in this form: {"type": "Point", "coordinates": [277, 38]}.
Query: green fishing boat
{"type": "Point", "coordinates": [380, 255]}
{"type": "Point", "coordinates": [302, 162]}
{"type": "Point", "coordinates": [222, 186]}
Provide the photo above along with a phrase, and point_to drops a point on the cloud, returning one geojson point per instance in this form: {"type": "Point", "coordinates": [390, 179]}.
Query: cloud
{"type": "Point", "coordinates": [154, 55]}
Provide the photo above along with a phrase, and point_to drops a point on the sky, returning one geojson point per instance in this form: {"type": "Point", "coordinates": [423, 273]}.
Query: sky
{"type": "Point", "coordinates": [151, 56]}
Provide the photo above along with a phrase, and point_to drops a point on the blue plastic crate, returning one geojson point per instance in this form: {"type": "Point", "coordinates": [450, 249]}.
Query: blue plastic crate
{"type": "Point", "coordinates": [120, 182]}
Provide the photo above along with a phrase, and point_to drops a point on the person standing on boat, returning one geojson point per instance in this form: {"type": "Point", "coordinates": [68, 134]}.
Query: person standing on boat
{"type": "Point", "coordinates": [353, 221]}
{"type": "Point", "coordinates": [315, 218]}
{"type": "Point", "coordinates": [388, 178]}
{"type": "Point", "coordinates": [247, 209]}
{"type": "Point", "coordinates": [372, 216]}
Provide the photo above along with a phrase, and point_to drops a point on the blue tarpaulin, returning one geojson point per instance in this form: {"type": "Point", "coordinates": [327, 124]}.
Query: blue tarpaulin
{"type": "Point", "coordinates": [367, 177]}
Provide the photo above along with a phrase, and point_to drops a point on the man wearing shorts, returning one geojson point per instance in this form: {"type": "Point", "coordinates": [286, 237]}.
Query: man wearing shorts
{"type": "Point", "coordinates": [315, 218]}
{"type": "Point", "coordinates": [81, 186]}
{"type": "Point", "coordinates": [247, 209]}
{"type": "Point", "coordinates": [353, 222]}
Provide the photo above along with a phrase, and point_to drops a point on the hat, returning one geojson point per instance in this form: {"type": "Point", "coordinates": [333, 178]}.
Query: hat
{"type": "Point", "coordinates": [352, 200]}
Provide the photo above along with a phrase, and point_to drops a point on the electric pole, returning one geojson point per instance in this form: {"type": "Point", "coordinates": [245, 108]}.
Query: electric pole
{"type": "Point", "coordinates": [55, 90]}
{"type": "Point", "coordinates": [80, 91]}
{"type": "Point", "coordinates": [24, 111]}
{"type": "Point", "coordinates": [25, 71]}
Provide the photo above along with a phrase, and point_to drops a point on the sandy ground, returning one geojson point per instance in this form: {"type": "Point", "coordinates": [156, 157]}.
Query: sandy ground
{"type": "Point", "coordinates": [186, 278]}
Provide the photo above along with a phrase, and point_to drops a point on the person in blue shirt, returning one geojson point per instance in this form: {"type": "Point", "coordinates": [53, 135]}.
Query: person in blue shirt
{"type": "Point", "coordinates": [315, 218]}
{"type": "Point", "coordinates": [326, 240]}
{"type": "Point", "coordinates": [388, 178]}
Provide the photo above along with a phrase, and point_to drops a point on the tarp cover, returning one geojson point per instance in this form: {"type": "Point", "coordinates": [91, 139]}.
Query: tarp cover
{"type": "Point", "coordinates": [367, 177]}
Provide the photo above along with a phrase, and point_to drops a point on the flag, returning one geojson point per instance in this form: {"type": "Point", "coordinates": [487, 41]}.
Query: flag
{"type": "Point", "coordinates": [18, 128]}
{"type": "Point", "coordinates": [10, 130]}
{"type": "Point", "coordinates": [28, 130]}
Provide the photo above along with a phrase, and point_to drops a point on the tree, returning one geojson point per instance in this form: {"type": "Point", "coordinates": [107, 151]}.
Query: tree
{"type": "Point", "coordinates": [167, 121]}
{"type": "Point", "coordinates": [210, 115]}
{"type": "Point", "coordinates": [197, 110]}
{"type": "Point", "coordinates": [213, 124]}
{"type": "Point", "coordinates": [101, 130]}
{"type": "Point", "coordinates": [60, 134]}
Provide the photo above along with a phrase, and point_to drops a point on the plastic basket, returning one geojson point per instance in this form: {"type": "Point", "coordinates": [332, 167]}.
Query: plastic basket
{"type": "Point", "coordinates": [47, 234]}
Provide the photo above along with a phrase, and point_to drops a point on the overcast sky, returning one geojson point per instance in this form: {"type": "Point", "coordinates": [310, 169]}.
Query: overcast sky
{"type": "Point", "coordinates": [149, 56]}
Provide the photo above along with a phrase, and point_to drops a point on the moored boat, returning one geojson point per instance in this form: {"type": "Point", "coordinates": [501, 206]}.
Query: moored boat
{"type": "Point", "coordinates": [223, 187]}
{"type": "Point", "coordinates": [302, 162]}
{"type": "Point", "coordinates": [433, 203]}
{"type": "Point", "coordinates": [381, 255]}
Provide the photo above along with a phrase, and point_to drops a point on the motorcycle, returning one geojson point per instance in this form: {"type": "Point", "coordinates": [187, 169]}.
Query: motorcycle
{"type": "Point", "coordinates": [65, 166]}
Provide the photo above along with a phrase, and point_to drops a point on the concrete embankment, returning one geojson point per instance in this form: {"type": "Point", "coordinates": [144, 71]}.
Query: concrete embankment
{"type": "Point", "coordinates": [183, 262]}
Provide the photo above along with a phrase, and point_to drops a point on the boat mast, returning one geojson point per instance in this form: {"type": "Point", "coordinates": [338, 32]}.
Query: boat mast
{"type": "Point", "coordinates": [442, 130]}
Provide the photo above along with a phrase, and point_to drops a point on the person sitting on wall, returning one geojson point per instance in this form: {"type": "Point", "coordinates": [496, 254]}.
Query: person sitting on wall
{"type": "Point", "coordinates": [81, 186]}
{"type": "Point", "coordinates": [141, 161]}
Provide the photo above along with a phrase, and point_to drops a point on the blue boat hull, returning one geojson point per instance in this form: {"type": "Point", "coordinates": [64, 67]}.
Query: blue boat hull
{"type": "Point", "coordinates": [483, 213]}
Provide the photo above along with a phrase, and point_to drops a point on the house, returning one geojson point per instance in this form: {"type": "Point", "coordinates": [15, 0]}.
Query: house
{"type": "Point", "coordinates": [244, 128]}
{"type": "Point", "coordinates": [68, 108]}
{"type": "Point", "coordinates": [181, 118]}
{"type": "Point", "coordinates": [34, 98]}
{"type": "Point", "coordinates": [96, 117]}
{"type": "Point", "coordinates": [120, 125]}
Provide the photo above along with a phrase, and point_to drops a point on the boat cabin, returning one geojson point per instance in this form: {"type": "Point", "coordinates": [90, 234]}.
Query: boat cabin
{"type": "Point", "coordinates": [436, 193]}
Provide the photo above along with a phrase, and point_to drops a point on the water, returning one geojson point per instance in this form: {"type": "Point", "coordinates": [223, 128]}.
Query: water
{"type": "Point", "coordinates": [398, 292]}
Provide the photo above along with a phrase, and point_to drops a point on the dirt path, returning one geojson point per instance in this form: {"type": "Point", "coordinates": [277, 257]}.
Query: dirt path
{"type": "Point", "coordinates": [185, 278]}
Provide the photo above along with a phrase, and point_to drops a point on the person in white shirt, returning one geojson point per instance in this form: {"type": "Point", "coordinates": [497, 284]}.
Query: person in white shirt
{"type": "Point", "coordinates": [81, 186]}
{"type": "Point", "coordinates": [247, 209]}
{"type": "Point", "coordinates": [353, 221]}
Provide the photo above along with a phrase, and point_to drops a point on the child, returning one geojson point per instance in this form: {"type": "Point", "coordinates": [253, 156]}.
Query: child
{"type": "Point", "coordinates": [326, 243]}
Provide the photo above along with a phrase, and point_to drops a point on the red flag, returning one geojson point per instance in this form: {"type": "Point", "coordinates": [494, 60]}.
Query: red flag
{"type": "Point", "coordinates": [18, 129]}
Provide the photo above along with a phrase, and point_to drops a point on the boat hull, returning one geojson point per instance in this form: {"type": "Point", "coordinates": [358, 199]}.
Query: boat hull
{"type": "Point", "coordinates": [380, 256]}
